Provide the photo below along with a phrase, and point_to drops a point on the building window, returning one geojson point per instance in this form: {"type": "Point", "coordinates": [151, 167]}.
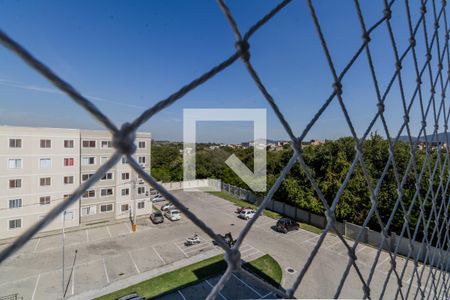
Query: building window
{"type": "Point", "coordinates": [141, 190]}
{"type": "Point", "coordinates": [68, 143]}
{"type": "Point", "coordinates": [141, 145]}
{"type": "Point", "coordinates": [44, 200]}
{"type": "Point", "coordinates": [106, 208]}
{"type": "Point", "coordinates": [68, 216]}
{"type": "Point", "coordinates": [15, 183]}
{"type": "Point", "coordinates": [68, 162]}
{"type": "Point", "coordinates": [88, 144]}
{"type": "Point", "coordinates": [85, 177]}
{"type": "Point", "coordinates": [89, 194]}
{"type": "Point", "coordinates": [103, 159]}
{"type": "Point", "coordinates": [124, 160]}
{"type": "Point", "coordinates": [106, 144]}
{"type": "Point", "coordinates": [125, 176]}
{"type": "Point", "coordinates": [15, 223]}
{"type": "Point", "coordinates": [124, 207]}
{"type": "Point", "coordinates": [46, 143]}
{"type": "Point", "coordinates": [88, 210]}
{"type": "Point", "coordinates": [45, 181]}
{"type": "Point", "coordinates": [141, 159]}
{"type": "Point", "coordinates": [141, 205]}
{"type": "Point", "coordinates": [85, 161]}
{"type": "Point", "coordinates": [68, 179]}
{"type": "Point", "coordinates": [107, 176]}
{"type": "Point", "coordinates": [125, 192]}
{"type": "Point", "coordinates": [45, 163]}
{"type": "Point", "coordinates": [15, 163]}
{"type": "Point", "coordinates": [15, 203]}
{"type": "Point", "coordinates": [106, 192]}
{"type": "Point", "coordinates": [15, 143]}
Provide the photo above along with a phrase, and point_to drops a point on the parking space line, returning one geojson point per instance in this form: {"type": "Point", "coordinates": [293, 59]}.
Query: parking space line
{"type": "Point", "coordinates": [220, 293]}
{"type": "Point", "coordinates": [35, 286]}
{"type": "Point", "coordinates": [335, 243]}
{"type": "Point", "coordinates": [36, 246]}
{"type": "Point", "coordinates": [134, 263]}
{"type": "Point", "coordinates": [249, 287]}
{"type": "Point", "coordinates": [181, 294]}
{"type": "Point", "coordinates": [128, 227]}
{"type": "Point", "coordinates": [266, 295]}
{"type": "Point", "coordinates": [87, 236]}
{"type": "Point", "coordinates": [181, 250]}
{"type": "Point", "coordinates": [159, 255]}
{"type": "Point", "coordinates": [106, 272]}
{"type": "Point", "coordinates": [109, 232]}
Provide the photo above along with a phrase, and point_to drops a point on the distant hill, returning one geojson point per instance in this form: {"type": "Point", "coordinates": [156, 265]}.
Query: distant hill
{"type": "Point", "coordinates": [440, 137]}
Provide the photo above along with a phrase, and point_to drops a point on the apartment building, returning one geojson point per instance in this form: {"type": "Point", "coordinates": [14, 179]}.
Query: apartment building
{"type": "Point", "coordinates": [42, 166]}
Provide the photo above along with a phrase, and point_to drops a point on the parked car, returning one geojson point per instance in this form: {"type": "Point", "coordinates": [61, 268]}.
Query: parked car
{"type": "Point", "coordinates": [167, 206]}
{"type": "Point", "coordinates": [246, 214]}
{"type": "Point", "coordinates": [285, 225]}
{"type": "Point", "coordinates": [239, 209]}
{"type": "Point", "coordinates": [173, 214]}
{"type": "Point", "coordinates": [158, 198]}
{"type": "Point", "coordinates": [157, 217]}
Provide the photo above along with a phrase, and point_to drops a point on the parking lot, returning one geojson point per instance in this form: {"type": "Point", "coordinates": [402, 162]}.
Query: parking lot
{"type": "Point", "coordinates": [99, 260]}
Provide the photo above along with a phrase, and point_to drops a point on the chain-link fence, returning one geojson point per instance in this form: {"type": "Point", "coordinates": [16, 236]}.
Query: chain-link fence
{"type": "Point", "coordinates": [435, 69]}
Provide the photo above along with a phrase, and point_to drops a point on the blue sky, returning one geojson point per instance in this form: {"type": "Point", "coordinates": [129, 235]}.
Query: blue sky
{"type": "Point", "coordinates": [127, 55]}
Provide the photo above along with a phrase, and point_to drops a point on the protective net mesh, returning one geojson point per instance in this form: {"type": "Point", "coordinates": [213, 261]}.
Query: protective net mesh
{"type": "Point", "coordinates": [432, 228]}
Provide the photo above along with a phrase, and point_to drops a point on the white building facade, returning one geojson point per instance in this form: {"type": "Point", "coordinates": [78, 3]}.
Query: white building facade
{"type": "Point", "coordinates": [40, 167]}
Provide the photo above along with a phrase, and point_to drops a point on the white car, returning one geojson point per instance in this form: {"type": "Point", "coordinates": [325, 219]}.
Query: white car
{"type": "Point", "coordinates": [158, 198]}
{"type": "Point", "coordinates": [173, 214]}
{"type": "Point", "coordinates": [246, 214]}
{"type": "Point", "coordinates": [168, 206]}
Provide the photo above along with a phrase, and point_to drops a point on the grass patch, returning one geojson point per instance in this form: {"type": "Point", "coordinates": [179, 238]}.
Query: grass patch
{"type": "Point", "coordinates": [173, 280]}
{"type": "Point", "coordinates": [311, 228]}
{"type": "Point", "coordinates": [265, 267]}
{"type": "Point", "coordinates": [267, 213]}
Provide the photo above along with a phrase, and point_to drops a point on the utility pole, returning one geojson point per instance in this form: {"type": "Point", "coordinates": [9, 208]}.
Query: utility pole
{"type": "Point", "coordinates": [63, 241]}
{"type": "Point", "coordinates": [133, 198]}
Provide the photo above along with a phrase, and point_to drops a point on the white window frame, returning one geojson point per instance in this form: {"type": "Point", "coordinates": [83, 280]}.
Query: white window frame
{"type": "Point", "coordinates": [45, 159]}
{"type": "Point", "coordinates": [89, 158]}
{"type": "Point", "coordinates": [105, 189]}
{"type": "Point", "coordinates": [15, 143]}
{"type": "Point", "coordinates": [45, 147]}
{"type": "Point", "coordinates": [125, 189]}
{"type": "Point", "coordinates": [16, 166]}
{"type": "Point", "coordinates": [69, 142]}
{"type": "Point", "coordinates": [122, 205]}
{"type": "Point", "coordinates": [89, 141]}
{"type": "Point", "coordinates": [108, 211]}
{"type": "Point", "coordinates": [19, 200]}
{"type": "Point", "coordinates": [128, 175]}
{"type": "Point", "coordinates": [68, 213]}
{"type": "Point", "coordinates": [139, 203]}
{"type": "Point", "coordinates": [92, 210]}
{"type": "Point", "coordinates": [16, 219]}
{"type": "Point", "coordinates": [140, 143]}
{"type": "Point", "coordinates": [89, 175]}
{"type": "Point", "coordinates": [16, 180]}
{"type": "Point", "coordinates": [84, 197]}
{"type": "Point", "coordinates": [50, 181]}
{"type": "Point", "coordinates": [45, 204]}
{"type": "Point", "coordinates": [141, 188]}
{"type": "Point", "coordinates": [124, 160]}
{"type": "Point", "coordinates": [71, 181]}
{"type": "Point", "coordinates": [108, 144]}
{"type": "Point", "coordinates": [143, 158]}
{"type": "Point", "coordinates": [68, 160]}
{"type": "Point", "coordinates": [104, 175]}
